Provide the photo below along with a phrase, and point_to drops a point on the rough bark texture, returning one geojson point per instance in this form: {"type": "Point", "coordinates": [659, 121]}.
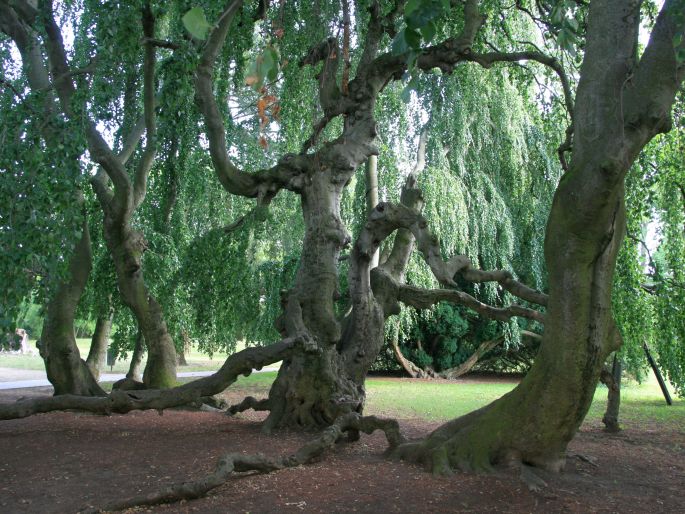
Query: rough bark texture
{"type": "Point", "coordinates": [98, 345]}
{"type": "Point", "coordinates": [67, 372]}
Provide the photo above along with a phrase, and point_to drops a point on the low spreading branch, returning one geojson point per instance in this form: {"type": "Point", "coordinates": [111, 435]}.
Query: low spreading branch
{"type": "Point", "coordinates": [424, 298]}
{"type": "Point", "coordinates": [240, 463]}
{"type": "Point", "coordinates": [121, 402]}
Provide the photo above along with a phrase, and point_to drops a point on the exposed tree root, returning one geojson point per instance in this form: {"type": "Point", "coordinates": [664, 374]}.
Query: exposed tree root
{"type": "Point", "coordinates": [241, 363]}
{"type": "Point", "coordinates": [249, 403]}
{"type": "Point", "coordinates": [237, 462]}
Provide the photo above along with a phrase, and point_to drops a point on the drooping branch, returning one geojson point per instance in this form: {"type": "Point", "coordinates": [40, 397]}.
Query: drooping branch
{"type": "Point", "coordinates": [239, 462]}
{"type": "Point", "coordinates": [64, 86]}
{"type": "Point", "coordinates": [241, 363]}
{"type": "Point", "coordinates": [487, 60]}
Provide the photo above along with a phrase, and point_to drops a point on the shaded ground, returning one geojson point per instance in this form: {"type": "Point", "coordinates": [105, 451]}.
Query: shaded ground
{"type": "Point", "coordinates": [63, 462]}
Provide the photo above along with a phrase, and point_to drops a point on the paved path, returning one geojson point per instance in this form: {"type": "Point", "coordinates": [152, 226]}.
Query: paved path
{"type": "Point", "coordinates": [22, 378]}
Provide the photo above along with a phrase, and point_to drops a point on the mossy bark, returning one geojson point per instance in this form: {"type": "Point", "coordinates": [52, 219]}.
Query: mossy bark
{"type": "Point", "coordinates": [617, 112]}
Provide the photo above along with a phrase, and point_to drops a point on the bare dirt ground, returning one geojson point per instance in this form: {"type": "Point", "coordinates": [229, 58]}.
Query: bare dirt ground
{"type": "Point", "coordinates": [64, 462]}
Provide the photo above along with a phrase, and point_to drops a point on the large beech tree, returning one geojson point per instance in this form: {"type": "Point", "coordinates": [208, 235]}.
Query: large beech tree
{"type": "Point", "coordinates": [623, 99]}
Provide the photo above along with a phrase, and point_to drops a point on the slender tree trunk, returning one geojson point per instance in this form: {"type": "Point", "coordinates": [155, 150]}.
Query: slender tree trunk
{"type": "Point", "coordinates": [612, 379]}
{"type": "Point", "coordinates": [67, 372]}
{"type": "Point", "coordinates": [126, 247]}
{"type": "Point", "coordinates": [134, 371]}
{"type": "Point", "coordinates": [181, 357]}
{"type": "Point", "coordinates": [98, 345]}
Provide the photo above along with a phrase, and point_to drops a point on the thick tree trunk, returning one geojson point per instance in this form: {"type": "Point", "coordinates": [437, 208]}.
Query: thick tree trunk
{"type": "Point", "coordinates": [67, 372]}
{"type": "Point", "coordinates": [98, 345]}
{"type": "Point", "coordinates": [313, 389]}
{"type": "Point", "coordinates": [134, 371]}
{"type": "Point", "coordinates": [126, 247]}
{"type": "Point", "coordinates": [534, 422]}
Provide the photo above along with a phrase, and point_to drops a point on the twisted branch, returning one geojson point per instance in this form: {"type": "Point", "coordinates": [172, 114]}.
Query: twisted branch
{"type": "Point", "coordinates": [388, 217]}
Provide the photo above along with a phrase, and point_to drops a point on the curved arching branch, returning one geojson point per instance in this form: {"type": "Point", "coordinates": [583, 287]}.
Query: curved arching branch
{"type": "Point", "coordinates": [388, 217]}
{"type": "Point", "coordinates": [264, 184]}
{"type": "Point", "coordinates": [424, 298]}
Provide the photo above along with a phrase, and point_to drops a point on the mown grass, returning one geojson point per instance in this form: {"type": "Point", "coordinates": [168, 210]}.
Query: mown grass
{"type": "Point", "coordinates": [196, 361]}
{"type": "Point", "coordinates": [440, 401]}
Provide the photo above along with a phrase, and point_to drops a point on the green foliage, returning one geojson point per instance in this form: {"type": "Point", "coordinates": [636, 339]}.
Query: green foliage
{"type": "Point", "coordinates": [40, 217]}
{"type": "Point", "coordinates": [649, 287]}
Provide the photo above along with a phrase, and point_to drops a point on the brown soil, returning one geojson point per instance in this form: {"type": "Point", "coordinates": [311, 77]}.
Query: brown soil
{"type": "Point", "coordinates": [63, 462]}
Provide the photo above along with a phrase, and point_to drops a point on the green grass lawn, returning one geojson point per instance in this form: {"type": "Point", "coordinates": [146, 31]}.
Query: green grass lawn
{"type": "Point", "coordinates": [440, 401]}
{"type": "Point", "coordinates": [196, 361]}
